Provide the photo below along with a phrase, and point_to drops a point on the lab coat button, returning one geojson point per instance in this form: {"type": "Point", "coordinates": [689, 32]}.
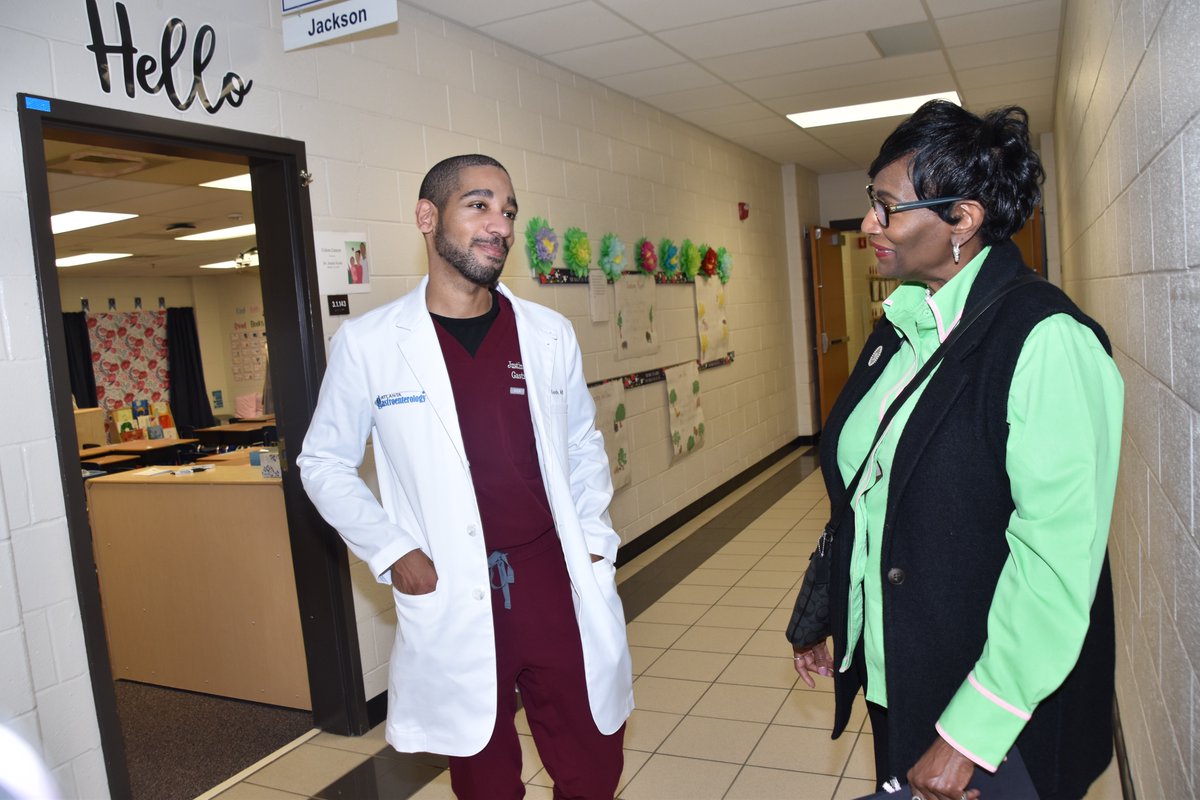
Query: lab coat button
{"type": "Point", "coordinates": [895, 576]}
{"type": "Point", "coordinates": [470, 530]}
{"type": "Point", "coordinates": [477, 594]}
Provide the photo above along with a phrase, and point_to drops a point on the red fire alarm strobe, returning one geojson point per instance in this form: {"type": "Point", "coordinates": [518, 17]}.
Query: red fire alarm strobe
{"type": "Point", "coordinates": [743, 210]}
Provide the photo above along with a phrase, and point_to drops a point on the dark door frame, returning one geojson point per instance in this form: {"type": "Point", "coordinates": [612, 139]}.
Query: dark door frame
{"type": "Point", "coordinates": [291, 307]}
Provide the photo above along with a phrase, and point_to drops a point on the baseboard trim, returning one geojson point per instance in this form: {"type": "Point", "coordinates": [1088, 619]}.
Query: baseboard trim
{"type": "Point", "coordinates": [1123, 769]}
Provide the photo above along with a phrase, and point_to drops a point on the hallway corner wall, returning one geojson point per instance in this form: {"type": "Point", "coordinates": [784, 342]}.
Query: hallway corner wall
{"type": "Point", "coordinates": [1127, 144]}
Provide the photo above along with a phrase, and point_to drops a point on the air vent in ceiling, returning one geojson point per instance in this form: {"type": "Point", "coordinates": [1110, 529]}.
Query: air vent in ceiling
{"type": "Point", "coordinates": [99, 164]}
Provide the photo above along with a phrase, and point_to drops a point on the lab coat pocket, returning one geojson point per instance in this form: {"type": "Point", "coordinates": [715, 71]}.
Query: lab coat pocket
{"type": "Point", "coordinates": [416, 614]}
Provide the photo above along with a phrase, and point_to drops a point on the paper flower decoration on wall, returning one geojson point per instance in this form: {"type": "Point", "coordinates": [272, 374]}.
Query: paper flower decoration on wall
{"type": "Point", "coordinates": [689, 259]}
{"type": "Point", "coordinates": [709, 263]}
{"type": "Point", "coordinates": [724, 264]}
{"type": "Point", "coordinates": [577, 252]}
{"type": "Point", "coordinates": [647, 258]}
{"type": "Point", "coordinates": [668, 257]}
{"type": "Point", "coordinates": [541, 244]}
{"type": "Point", "coordinates": [612, 256]}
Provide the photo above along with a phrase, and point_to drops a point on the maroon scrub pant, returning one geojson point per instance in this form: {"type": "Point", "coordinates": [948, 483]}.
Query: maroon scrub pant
{"type": "Point", "coordinates": [538, 651]}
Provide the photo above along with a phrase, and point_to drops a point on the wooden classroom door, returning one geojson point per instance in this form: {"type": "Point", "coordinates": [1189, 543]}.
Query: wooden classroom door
{"type": "Point", "coordinates": [829, 312]}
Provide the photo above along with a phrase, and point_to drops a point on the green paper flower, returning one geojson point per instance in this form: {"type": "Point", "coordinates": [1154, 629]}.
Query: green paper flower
{"type": "Point", "coordinates": [612, 256]}
{"type": "Point", "coordinates": [577, 252]}
{"type": "Point", "coordinates": [724, 264]}
{"type": "Point", "coordinates": [689, 259]}
{"type": "Point", "coordinates": [541, 244]}
{"type": "Point", "coordinates": [668, 257]}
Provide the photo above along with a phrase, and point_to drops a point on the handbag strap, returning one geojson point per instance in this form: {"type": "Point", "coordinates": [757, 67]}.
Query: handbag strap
{"type": "Point", "coordinates": [836, 518]}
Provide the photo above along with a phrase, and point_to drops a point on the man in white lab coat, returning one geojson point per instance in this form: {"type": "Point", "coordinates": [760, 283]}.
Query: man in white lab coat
{"type": "Point", "coordinates": [493, 528]}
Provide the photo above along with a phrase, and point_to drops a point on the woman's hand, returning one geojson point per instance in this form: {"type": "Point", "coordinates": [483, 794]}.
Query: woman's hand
{"type": "Point", "coordinates": [942, 774]}
{"type": "Point", "coordinates": [814, 658]}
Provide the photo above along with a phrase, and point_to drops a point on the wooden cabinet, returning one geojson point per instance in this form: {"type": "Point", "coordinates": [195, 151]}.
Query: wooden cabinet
{"type": "Point", "coordinates": [89, 426]}
{"type": "Point", "coordinates": [197, 585]}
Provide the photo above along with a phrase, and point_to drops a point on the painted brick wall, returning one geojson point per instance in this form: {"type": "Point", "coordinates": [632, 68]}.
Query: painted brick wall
{"type": "Point", "coordinates": [1128, 158]}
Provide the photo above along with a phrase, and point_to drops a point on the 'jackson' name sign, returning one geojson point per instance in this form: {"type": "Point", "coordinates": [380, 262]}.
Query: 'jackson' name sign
{"type": "Point", "coordinates": [336, 21]}
{"type": "Point", "coordinates": [156, 75]}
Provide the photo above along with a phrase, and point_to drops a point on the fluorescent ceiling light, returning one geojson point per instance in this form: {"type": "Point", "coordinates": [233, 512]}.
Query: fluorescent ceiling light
{"type": "Point", "coordinates": [88, 258]}
{"type": "Point", "coordinates": [77, 220]}
{"type": "Point", "coordinates": [224, 233]}
{"type": "Point", "coordinates": [220, 265]}
{"type": "Point", "coordinates": [239, 183]}
{"type": "Point", "coordinates": [886, 108]}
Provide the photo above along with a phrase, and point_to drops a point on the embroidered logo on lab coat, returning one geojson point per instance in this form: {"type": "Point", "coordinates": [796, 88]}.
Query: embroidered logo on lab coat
{"type": "Point", "coordinates": [399, 399]}
{"type": "Point", "coordinates": [875, 356]}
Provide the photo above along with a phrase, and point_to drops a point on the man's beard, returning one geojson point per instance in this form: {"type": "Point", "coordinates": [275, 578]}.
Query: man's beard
{"type": "Point", "coordinates": [467, 264]}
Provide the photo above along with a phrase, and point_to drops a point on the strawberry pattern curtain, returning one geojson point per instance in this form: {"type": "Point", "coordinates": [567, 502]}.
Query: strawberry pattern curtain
{"type": "Point", "coordinates": [129, 357]}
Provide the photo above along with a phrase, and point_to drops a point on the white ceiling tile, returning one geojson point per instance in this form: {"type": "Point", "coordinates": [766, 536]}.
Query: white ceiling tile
{"type": "Point", "coordinates": [712, 116]}
{"type": "Point", "coordinates": [1001, 23]}
{"type": "Point", "coordinates": [1017, 71]}
{"type": "Point", "coordinates": [665, 14]}
{"type": "Point", "coordinates": [474, 14]}
{"type": "Point", "coordinates": [849, 75]}
{"type": "Point", "coordinates": [953, 8]}
{"type": "Point", "coordinates": [1008, 93]}
{"type": "Point", "coordinates": [866, 93]}
{"type": "Point", "coordinates": [614, 58]}
{"type": "Point", "coordinates": [734, 128]}
{"type": "Point", "coordinates": [793, 57]}
{"type": "Point", "coordinates": [717, 96]}
{"type": "Point", "coordinates": [819, 20]}
{"type": "Point", "coordinates": [561, 28]}
{"type": "Point", "coordinates": [660, 80]}
{"type": "Point", "coordinates": [1002, 51]}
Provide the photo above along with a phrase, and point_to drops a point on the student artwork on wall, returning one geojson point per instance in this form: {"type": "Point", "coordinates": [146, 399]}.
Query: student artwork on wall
{"type": "Point", "coordinates": [711, 324]}
{"type": "Point", "coordinates": [248, 345]}
{"type": "Point", "coordinates": [684, 410]}
{"type": "Point", "coordinates": [342, 266]}
{"type": "Point", "coordinates": [636, 334]}
{"type": "Point", "coordinates": [610, 421]}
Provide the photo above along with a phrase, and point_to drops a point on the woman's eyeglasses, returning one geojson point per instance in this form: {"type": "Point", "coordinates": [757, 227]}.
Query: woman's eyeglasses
{"type": "Point", "coordinates": [883, 210]}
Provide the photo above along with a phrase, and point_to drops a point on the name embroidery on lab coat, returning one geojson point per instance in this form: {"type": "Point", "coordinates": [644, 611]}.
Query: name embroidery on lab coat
{"type": "Point", "coordinates": [399, 398]}
{"type": "Point", "coordinates": [517, 370]}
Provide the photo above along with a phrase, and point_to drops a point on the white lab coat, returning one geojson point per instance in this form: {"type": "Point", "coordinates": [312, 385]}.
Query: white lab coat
{"type": "Point", "coordinates": [386, 377]}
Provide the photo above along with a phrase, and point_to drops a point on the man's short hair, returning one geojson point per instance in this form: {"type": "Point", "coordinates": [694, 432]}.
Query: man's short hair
{"type": "Point", "coordinates": [442, 180]}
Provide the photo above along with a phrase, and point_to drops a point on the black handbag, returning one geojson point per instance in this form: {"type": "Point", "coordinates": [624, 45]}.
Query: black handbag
{"type": "Point", "coordinates": [810, 622]}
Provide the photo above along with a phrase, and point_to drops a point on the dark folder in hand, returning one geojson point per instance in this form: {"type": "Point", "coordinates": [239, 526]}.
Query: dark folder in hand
{"type": "Point", "coordinates": [1010, 782]}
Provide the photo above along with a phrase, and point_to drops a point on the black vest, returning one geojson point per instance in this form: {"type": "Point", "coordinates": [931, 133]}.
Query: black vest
{"type": "Point", "coordinates": [943, 546]}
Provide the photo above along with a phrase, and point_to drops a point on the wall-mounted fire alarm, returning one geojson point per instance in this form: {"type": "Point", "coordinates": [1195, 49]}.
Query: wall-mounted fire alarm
{"type": "Point", "coordinates": [743, 210]}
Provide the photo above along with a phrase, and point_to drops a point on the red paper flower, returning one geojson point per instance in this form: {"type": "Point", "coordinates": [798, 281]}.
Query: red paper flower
{"type": "Point", "coordinates": [647, 257]}
{"type": "Point", "coordinates": [709, 264]}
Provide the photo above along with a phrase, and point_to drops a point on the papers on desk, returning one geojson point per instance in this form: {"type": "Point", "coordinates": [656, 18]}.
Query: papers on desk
{"type": "Point", "coordinates": [188, 470]}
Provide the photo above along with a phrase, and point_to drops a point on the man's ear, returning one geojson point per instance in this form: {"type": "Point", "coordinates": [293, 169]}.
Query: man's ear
{"type": "Point", "coordinates": [970, 219]}
{"type": "Point", "coordinates": [427, 216]}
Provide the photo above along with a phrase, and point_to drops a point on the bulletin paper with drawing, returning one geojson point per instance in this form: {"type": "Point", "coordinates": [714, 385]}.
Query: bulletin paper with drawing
{"type": "Point", "coordinates": [711, 325]}
{"type": "Point", "coordinates": [684, 410]}
{"type": "Point", "coordinates": [636, 334]}
{"type": "Point", "coordinates": [610, 421]}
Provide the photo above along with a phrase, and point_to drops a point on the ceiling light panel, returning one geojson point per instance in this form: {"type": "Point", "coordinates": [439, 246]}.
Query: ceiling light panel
{"type": "Point", "coordinates": [88, 258]}
{"type": "Point", "coordinates": [900, 107]}
{"type": "Point", "coordinates": [78, 220]}
{"type": "Point", "coordinates": [237, 183]}
{"type": "Point", "coordinates": [236, 232]}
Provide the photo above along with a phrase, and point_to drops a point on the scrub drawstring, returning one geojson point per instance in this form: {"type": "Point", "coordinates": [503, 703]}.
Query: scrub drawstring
{"type": "Point", "coordinates": [504, 574]}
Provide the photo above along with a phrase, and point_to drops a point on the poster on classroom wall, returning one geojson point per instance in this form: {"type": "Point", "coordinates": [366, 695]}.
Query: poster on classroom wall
{"type": "Point", "coordinates": [711, 324]}
{"type": "Point", "coordinates": [636, 334]}
{"type": "Point", "coordinates": [342, 266]}
{"type": "Point", "coordinates": [684, 410]}
{"type": "Point", "coordinates": [610, 421]}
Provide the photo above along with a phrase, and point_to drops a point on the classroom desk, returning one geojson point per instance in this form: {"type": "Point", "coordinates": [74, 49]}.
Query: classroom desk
{"type": "Point", "coordinates": [148, 450]}
{"type": "Point", "coordinates": [196, 583]}
{"type": "Point", "coordinates": [111, 460]}
{"type": "Point", "coordinates": [240, 458]}
{"type": "Point", "coordinates": [235, 434]}
{"type": "Point", "coordinates": [269, 419]}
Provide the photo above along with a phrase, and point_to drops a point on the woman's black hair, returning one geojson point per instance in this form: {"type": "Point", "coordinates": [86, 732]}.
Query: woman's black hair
{"type": "Point", "coordinates": [956, 153]}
